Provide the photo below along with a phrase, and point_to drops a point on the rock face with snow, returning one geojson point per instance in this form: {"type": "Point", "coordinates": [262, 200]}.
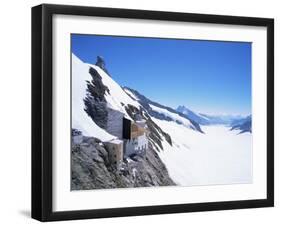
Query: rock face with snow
{"type": "Point", "coordinates": [95, 102]}
{"type": "Point", "coordinates": [86, 101]}
{"type": "Point", "coordinates": [200, 119]}
{"type": "Point", "coordinates": [101, 63]}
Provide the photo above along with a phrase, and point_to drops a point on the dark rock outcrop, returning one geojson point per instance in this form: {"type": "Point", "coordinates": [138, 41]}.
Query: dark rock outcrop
{"type": "Point", "coordinates": [90, 168]}
{"type": "Point", "coordinates": [95, 102]}
{"type": "Point", "coordinates": [100, 62]}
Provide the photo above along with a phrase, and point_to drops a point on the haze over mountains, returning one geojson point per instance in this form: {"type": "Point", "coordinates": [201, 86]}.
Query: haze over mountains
{"type": "Point", "coordinates": [236, 122]}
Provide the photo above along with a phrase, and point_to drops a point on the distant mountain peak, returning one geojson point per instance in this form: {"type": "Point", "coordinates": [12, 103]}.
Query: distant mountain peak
{"type": "Point", "coordinates": [201, 120]}
{"type": "Point", "coordinates": [180, 107]}
{"type": "Point", "coordinates": [243, 125]}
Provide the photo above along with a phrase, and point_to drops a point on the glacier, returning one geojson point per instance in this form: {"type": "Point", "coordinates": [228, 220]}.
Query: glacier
{"type": "Point", "coordinates": [219, 156]}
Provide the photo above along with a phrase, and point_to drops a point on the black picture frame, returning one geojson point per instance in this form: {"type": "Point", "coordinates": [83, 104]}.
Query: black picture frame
{"type": "Point", "coordinates": [42, 111]}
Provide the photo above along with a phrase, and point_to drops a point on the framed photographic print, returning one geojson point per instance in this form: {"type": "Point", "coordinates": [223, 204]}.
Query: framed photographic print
{"type": "Point", "coordinates": [145, 112]}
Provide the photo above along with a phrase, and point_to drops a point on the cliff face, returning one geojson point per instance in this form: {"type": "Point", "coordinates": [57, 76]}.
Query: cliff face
{"type": "Point", "coordinates": [91, 169]}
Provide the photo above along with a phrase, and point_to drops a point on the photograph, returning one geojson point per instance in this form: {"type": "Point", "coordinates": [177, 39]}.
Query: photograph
{"type": "Point", "coordinates": [150, 112]}
{"type": "Point", "coordinates": [147, 111]}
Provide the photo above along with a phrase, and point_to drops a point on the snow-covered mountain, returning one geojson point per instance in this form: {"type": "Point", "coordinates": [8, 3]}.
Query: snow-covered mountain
{"type": "Point", "coordinates": [80, 119]}
{"type": "Point", "coordinates": [94, 92]}
{"type": "Point", "coordinates": [243, 125]}
{"type": "Point", "coordinates": [162, 112]}
{"type": "Point", "coordinates": [196, 117]}
{"type": "Point", "coordinates": [221, 119]}
{"type": "Point", "coordinates": [241, 120]}
{"type": "Point", "coordinates": [206, 119]}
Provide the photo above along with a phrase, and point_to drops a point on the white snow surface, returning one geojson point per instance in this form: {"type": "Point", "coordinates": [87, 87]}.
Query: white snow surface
{"type": "Point", "coordinates": [217, 157]}
{"type": "Point", "coordinates": [80, 119]}
{"type": "Point", "coordinates": [173, 116]}
{"type": "Point", "coordinates": [131, 94]}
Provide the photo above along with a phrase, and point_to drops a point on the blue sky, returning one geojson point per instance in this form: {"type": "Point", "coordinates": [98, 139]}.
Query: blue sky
{"type": "Point", "coordinates": [205, 76]}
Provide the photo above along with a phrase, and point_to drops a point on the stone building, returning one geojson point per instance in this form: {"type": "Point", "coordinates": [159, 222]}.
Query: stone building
{"type": "Point", "coordinates": [115, 152]}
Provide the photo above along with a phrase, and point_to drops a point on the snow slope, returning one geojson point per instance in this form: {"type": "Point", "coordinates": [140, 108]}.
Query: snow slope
{"type": "Point", "coordinates": [131, 94]}
{"type": "Point", "coordinates": [217, 157]}
{"type": "Point", "coordinates": [117, 95]}
{"type": "Point", "coordinates": [80, 119]}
